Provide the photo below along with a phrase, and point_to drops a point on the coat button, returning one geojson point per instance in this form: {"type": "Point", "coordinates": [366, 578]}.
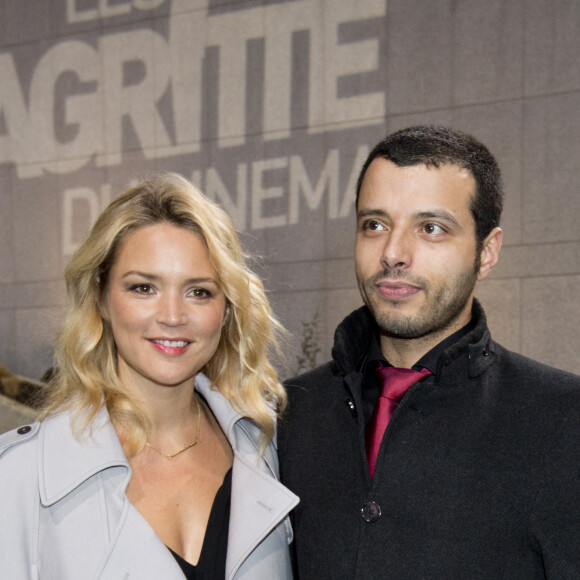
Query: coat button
{"type": "Point", "coordinates": [371, 512]}
{"type": "Point", "coordinates": [23, 430]}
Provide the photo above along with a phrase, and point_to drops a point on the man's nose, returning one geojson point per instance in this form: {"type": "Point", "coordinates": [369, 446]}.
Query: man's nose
{"type": "Point", "coordinates": [398, 249]}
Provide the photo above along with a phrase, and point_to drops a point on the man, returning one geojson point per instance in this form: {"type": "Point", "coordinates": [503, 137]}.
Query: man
{"type": "Point", "coordinates": [477, 475]}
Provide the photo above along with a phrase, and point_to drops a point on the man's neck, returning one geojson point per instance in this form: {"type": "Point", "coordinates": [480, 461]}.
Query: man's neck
{"type": "Point", "coordinates": [405, 352]}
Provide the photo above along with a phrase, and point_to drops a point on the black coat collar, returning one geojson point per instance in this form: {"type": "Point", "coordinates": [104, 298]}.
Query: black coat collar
{"type": "Point", "coordinates": [353, 336]}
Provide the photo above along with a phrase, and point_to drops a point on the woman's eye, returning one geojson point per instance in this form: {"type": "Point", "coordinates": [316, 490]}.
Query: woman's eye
{"type": "Point", "coordinates": [200, 293]}
{"type": "Point", "coordinates": [142, 288]}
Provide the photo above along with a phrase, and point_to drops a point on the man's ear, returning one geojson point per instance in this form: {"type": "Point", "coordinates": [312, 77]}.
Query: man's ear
{"type": "Point", "coordinates": [490, 253]}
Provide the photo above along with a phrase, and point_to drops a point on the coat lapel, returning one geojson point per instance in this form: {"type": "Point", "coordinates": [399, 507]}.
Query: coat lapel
{"type": "Point", "coordinates": [65, 463]}
{"type": "Point", "coordinates": [130, 549]}
{"type": "Point", "coordinates": [259, 504]}
{"type": "Point", "coordinates": [137, 553]}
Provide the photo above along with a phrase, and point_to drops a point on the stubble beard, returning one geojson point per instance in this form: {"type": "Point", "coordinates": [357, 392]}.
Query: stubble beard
{"type": "Point", "coordinates": [442, 307]}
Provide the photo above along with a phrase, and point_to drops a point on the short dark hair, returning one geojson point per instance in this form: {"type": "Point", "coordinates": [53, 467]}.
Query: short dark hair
{"type": "Point", "coordinates": [435, 146]}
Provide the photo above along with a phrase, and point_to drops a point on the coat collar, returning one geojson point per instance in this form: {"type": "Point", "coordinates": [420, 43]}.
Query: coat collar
{"type": "Point", "coordinates": [238, 429]}
{"type": "Point", "coordinates": [222, 409]}
{"type": "Point", "coordinates": [65, 462]}
{"type": "Point", "coordinates": [353, 337]}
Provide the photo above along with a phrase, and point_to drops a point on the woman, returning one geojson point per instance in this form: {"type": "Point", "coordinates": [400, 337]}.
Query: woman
{"type": "Point", "coordinates": [154, 456]}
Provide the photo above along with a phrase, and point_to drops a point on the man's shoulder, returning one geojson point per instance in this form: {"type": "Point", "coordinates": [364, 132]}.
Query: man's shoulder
{"type": "Point", "coordinates": [540, 384]}
{"type": "Point", "coordinates": [315, 383]}
{"type": "Point", "coordinates": [326, 369]}
{"type": "Point", "coordinates": [529, 369]}
{"type": "Point", "coordinates": [312, 378]}
{"type": "Point", "coordinates": [309, 394]}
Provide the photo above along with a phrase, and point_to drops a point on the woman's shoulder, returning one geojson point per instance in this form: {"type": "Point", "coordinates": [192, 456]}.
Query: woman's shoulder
{"type": "Point", "coordinates": [18, 457]}
{"type": "Point", "coordinates": [24, 435]}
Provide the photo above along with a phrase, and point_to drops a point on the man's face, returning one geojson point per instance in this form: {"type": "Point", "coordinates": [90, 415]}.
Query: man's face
{"type": "Point", "coordinates": [415, 252]}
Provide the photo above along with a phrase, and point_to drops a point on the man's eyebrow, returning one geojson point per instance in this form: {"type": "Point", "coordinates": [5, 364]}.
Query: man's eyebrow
{"type": "Point", "coordinates": [364, 213]}
{"type": "Point", "coordinates": [440, 215]}
{"type": "Point", "coordinates": [437, 214]}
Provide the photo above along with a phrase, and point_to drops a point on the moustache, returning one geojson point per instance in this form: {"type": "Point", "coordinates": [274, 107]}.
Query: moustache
{"type": "Point", "coordinates": [398, 275]}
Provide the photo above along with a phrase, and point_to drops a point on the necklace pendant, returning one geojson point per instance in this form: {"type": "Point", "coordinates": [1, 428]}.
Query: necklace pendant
{"type": "Point", "coordinates": [172, 455]}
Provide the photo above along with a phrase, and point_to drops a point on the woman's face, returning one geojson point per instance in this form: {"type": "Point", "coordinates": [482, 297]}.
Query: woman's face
{"type": "Point", "coordinates": [165, 306]}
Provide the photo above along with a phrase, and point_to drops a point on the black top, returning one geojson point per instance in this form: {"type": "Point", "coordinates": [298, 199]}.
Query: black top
{"type": "Point", "coordinates": [212, 561]}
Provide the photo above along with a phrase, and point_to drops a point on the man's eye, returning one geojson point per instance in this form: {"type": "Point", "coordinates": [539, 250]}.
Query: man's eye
{"type": "Point", "coordinates": [372, 225]}
{"type": "Point", "coordinates": [433, 229]}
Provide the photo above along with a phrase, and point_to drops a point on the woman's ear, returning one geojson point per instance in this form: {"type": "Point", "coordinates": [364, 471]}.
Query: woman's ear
{"type": "Point", "coordinates": [102, 305]}
{"type": "Point", "coordinates": [226, 314]}
{"type": "Point", "coordinates": [103, 310]}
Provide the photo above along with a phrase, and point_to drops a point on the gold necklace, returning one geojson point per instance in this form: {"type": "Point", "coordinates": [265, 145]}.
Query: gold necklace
{"type": "Point", "coordinates": [172, 455]}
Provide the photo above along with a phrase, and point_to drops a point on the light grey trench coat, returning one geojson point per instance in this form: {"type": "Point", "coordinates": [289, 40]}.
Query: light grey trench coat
{"type": "Point", "coordinates": [65, 515]}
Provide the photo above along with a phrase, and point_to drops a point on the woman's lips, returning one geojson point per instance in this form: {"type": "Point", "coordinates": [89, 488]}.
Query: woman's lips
{"type": "Point", "coordinates": [170, 347]}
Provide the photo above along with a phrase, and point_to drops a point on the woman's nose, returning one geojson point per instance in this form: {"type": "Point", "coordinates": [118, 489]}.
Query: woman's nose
{"type": "Point", "coordinates": [171, 310]}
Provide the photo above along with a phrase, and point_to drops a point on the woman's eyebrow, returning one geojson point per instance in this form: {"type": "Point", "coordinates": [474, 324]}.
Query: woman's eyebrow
{"type": "Point", "coordinates": [155, 278]}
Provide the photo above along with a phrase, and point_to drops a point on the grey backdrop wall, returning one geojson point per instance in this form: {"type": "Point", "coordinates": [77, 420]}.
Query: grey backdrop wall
{"type": "Point", "coordinates": [270, 107]}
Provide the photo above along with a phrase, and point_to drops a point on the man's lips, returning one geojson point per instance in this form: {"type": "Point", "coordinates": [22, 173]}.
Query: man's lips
{"type": "Point", "coordinates": [396, 290]}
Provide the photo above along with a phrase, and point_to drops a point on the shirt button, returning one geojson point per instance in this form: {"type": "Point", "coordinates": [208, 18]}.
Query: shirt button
{"type": "Point", "coordinates": [23, 430]}
{"type": "Point", "coordinates": [371, 512]}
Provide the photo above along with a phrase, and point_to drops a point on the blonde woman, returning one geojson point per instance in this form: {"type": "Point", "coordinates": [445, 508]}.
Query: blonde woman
{"type": "Point", "coordinates": [154, 457]}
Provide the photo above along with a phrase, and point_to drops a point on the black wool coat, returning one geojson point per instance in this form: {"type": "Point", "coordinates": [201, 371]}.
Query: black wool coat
{"type": "Point", "coordinates": [478, 475]}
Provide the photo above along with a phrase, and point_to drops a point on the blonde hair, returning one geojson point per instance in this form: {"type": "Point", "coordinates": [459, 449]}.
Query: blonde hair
{"type": "Point", "coordinates": [85, 350]}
